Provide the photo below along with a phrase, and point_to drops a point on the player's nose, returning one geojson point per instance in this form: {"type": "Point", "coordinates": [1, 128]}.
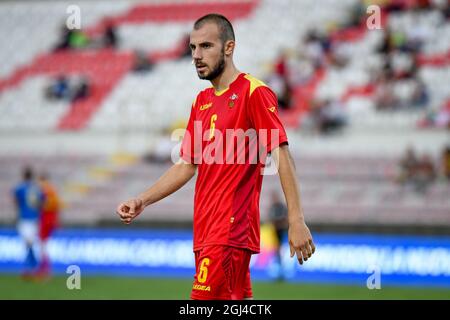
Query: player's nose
{"type": "Point", "coordinates": [196, 54]}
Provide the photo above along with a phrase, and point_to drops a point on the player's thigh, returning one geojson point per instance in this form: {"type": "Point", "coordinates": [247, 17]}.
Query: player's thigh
{"type": "Point", "coordinates": [241, 283]}
{"type": "Point", "coordinates": [221, 273]}
{"type": "Point", "coordinates": [248, 291]}
{"type": "Point", "coordinates": [28, 230]}
{"type": "Point", "coordinates": [210, 280]}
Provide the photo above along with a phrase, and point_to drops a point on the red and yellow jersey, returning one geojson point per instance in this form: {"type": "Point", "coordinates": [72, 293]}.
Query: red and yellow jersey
{"type": "Point", "coordinates": [51, 202]}
{"type": "Point", "coordinates": [228, 135]}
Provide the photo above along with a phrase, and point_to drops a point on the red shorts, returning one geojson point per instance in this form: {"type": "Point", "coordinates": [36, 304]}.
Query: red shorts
{"type": "Point", "coordinates": [48, 224]}
{"type": "Point", "coordinates": [222, 273]}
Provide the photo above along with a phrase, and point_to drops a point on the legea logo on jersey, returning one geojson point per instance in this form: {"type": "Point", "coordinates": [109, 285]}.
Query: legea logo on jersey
{"type": "Point", "coordinates": [205, 106]}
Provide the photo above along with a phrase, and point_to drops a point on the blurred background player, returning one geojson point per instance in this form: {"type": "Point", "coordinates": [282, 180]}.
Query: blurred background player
{"type": "Point", "coordinates": [48, 221]}
{"type": "Point", "coordinates": [28, 199]}
{"type": "Point", "coordinates": [278, 216]}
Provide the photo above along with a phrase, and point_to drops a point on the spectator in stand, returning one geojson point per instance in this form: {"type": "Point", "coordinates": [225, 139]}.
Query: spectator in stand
{"type": "Point", "coordinates": [442, 119]}
{"type": "Point", "coordinates": [425, 174]}
{"type": "Point", "coordinates": [59, 89]}
{"type": "Point", "coordinates": [408, 166]}
{"type": "Point", "coordinates": [446, 163]}
{"type": "Point", "coordinates": [281, 64]}
{"type": "Point", "coordinates": [282, 89]}
{"type": "Point", "coordinates": [442, 6]}
{"type": "Point", "coordinates": [439, 118]}
{"type": "Point", "coordinates": [72, 90]}
{"type": "Point", "coordinates": [314, 49]}
{"type": "Point", "coordinates": [386, 46]}
{"type": "Point", "coordinates": [420, 96]}
{"type": "Point", "coordinates": [358, 15]}
{"type": "Point", "coordinates": [141, 62]}
{"type": "Point", "coordinates": [395, 5]}
{"type": "Point", "coordinates": [385, 98]}
{"type": "Point", "coordinates": [109, 37]}
{"type": "Point", "coordinates": [81, 89]}
{"type": "Point", "coordinates": [280, 81]}
{"type": "Point", "coordinates": [64, 40]}
{"type": "Point", "coordinates": [186, 51]}
{"type": "Point", "coordinates": [333, 117]}
{"type": "Point", "coordinates": [326, 117]}
{"type": "Point", "coordinates": [417, 173]}
{"type": "Point", "coordinates": [162, 152]}
{"type": "Point", "coordinates": [78, 40]}
{"type": "Point", "coordinates": [285, 98]}
{"type": "Point", "coordinates": [72, 39]}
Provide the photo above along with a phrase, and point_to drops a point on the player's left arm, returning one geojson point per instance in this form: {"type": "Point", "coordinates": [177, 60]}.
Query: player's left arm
{"type": "Point", "coordinates": [300, 239]}
{"type": "Point", "coordinates": [263, 113]}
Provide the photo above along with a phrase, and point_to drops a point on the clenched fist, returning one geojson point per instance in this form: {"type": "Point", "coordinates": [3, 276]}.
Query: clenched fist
{"type": "Point", "coordinates": [130, 209]}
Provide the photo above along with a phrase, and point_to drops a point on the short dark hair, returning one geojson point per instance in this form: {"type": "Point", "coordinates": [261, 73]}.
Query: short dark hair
{"type": "Point", "coordinates": [225, 26]}
{"type": "Point", "coordinates": [27, 173]}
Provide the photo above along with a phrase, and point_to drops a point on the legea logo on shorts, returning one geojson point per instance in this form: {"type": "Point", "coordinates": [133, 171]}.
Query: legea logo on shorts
{"type": "Point", "coordinates": [201, 287]}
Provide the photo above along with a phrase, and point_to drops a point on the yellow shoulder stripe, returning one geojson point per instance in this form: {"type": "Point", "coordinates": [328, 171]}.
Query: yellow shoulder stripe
{"type": "Point", "coordinates": [254, 83]}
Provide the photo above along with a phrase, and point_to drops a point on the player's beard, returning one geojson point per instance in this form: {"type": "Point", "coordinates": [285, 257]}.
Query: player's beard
{"type": "Point", "coordinates": [217, 70]}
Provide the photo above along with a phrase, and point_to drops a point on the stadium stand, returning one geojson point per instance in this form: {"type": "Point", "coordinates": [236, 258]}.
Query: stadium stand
{"type": "Point", "coordinates": [339, 190]}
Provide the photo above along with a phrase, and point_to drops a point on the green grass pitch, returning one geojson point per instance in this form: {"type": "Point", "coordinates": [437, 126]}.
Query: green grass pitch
{"type": "Point", "coordinates": [13, 287]}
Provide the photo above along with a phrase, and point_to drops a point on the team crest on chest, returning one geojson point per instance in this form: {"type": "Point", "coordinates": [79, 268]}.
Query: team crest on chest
{"type": "Point", "coordinates": [232, 100]}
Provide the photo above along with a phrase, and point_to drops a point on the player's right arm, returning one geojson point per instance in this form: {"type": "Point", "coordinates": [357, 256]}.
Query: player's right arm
{"type": "Point", "coordinates": [172, 180]}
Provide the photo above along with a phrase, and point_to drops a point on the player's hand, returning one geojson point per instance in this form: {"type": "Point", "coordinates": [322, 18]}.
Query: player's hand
{"type": "Point", "coordinates": [300, 241]}
{"type": "Point", "coordinates": [129, 210]}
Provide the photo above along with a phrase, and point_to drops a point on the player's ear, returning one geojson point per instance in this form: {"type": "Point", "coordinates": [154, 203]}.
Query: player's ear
{"type": "Point", "coordinates": [229, 47]}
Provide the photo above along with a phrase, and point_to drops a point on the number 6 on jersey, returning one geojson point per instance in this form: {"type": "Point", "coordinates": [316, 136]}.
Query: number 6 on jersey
{"type": "Point", "coordinates": [212, 126]}
{"type": "Point", "coordinates": [203, 271]}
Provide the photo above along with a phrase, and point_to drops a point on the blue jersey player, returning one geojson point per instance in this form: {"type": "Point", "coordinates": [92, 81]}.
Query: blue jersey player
{"type": "Point", "coordinates": [28, 200]}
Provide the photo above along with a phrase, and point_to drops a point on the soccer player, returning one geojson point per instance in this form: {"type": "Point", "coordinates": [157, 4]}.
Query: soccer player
{"type": "Point", "coordinates": [226, 203]}
{"type": "Point", "coordinates": [48, 221]}
{"type": "Point", "coordinates": [28, 198]}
